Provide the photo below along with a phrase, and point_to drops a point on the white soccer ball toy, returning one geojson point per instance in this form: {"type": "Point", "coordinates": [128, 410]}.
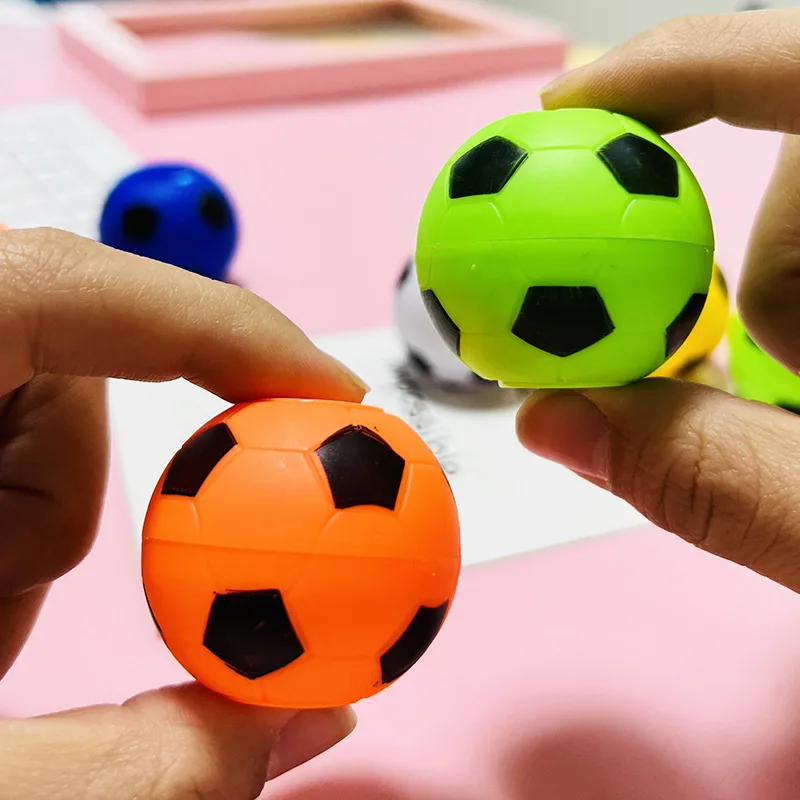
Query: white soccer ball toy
{"type": "Point", "coordinates": [428, 356]}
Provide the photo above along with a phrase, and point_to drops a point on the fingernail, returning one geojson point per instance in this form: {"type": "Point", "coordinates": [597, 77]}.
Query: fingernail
{"type": "Point", "coordinates": [556, 87]}
{"type": "Point", "coordinates": [357, 380]}
{"type": "Point", "coordinates": [307, 735]}
{"type": "Point", "coordinates": [566, 427]}
{"type": "Point", "coordinates": [551, 89]}
{"type": "Point", "coordinates": [555, 93]}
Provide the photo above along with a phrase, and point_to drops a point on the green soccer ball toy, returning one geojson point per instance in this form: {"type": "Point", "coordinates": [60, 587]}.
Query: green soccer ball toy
{"type": "Point", "coordinates": [755, 375]}
{"type": "Point", "coordinates": [569, 248]}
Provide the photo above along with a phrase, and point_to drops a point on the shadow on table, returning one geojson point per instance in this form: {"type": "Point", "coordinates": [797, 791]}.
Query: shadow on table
{"type": "Point", "coordinates": [480, 396]}
{"type": "Point", "coordinates": [598, 761]}
{"type": "Point", "coordinates": [358, 789]}
{"type": "Point", "coordinates": [583, 762]}
{"type": "Point", "coordinates": [606, 758]}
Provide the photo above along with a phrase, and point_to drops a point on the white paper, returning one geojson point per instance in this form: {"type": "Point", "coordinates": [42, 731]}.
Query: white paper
{"type": "Point", "coordinates": [509, 500]}
{"type": "Point", "coordinates": [57, 164]}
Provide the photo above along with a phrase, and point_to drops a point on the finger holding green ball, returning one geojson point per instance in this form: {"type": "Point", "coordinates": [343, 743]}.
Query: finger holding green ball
{"type": "Point", "coordinates": [565, 249]}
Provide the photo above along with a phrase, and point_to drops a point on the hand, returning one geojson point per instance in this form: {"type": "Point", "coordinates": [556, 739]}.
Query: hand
{"type": "Point", "coordinates": [73, 312]}
{"type": "Point", "coordinates": [718, 471]}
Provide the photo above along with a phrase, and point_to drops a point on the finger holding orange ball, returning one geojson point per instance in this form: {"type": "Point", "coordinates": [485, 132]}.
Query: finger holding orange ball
{"type": "Point", "coordinates": [301, 553]}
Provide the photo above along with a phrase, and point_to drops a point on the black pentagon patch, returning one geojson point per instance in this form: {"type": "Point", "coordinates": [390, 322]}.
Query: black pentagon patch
{"type": "Point", "coordinates": [640, 166]}
{"type": "Point", "coordinates": [420, 363]}
{"type": "Point", "coordinates": [794, 408]}
{"type": "Point", "coordinates": [139, 222]}
{"type": "Point", "coordinates": [214, 210]}
{"type": "Point", "coordinates": [362, 469]}
{"type": "Point", "coordinates": [251, 632]}
{"type": "Point", "coordinates": [413, 643]}
{"type": "Point", "coordinates": [194, 462]}
{"type": "Point", "coordinates": [406, 272]}
{"type": "Point", "coordinates": [444, 325]}
{"type": "Point", "coordinates": [562, 320]}
{"type": "Point", "coordinates": [485, 169]}
{"type": "Point", "coordinates": [680, 328]}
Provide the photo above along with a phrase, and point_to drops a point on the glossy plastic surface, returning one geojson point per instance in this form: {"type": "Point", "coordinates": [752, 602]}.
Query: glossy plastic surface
{"type": "Point", "coordinates": [174, 213]}
{"type": "Point", "coordinates": [301, 553]}
{"type": "Point", "coordinates": [569, 248]}
{"type": "Point", "coordinates": [706, 334]}
{"type": "Point", "coordinates": [755, 375]}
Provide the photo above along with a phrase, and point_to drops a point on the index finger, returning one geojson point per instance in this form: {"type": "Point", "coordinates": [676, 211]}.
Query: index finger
{"type": "Point", "coordinates": [71, 306]}
{"type": "Point", "coordinates": [742, 68]}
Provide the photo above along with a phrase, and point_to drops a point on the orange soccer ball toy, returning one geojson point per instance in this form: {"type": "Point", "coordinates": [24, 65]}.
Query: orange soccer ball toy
{"type": "Point", "coordinates": [301, 553]}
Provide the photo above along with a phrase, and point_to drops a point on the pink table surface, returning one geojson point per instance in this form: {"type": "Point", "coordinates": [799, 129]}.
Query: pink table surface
{"type": "Point", "coordinates": [628, 667]}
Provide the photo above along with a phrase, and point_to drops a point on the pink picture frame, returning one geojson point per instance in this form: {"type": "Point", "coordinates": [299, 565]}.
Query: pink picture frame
{"type": "Point", "coordinates": [192, 54]}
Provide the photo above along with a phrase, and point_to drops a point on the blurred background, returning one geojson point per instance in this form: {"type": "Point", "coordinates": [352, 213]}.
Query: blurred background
{"type": "Point", "coordinates": [607, 22]}
{"type": "Point", "coordinates": [613, 21]}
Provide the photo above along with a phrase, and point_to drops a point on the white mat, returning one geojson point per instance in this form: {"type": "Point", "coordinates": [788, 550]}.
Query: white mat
{"type": "Point", "coordinates": [509, 500]}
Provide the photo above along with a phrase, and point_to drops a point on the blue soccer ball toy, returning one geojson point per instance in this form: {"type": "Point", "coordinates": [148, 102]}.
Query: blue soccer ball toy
{"type": "Point", "coordinates": [174, 213]}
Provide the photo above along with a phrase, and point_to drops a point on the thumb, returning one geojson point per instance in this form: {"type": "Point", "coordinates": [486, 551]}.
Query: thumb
{"type": "Point", "coordinates": [179, 743]}
{"type": "Point", "coordinates": [719, 471]}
